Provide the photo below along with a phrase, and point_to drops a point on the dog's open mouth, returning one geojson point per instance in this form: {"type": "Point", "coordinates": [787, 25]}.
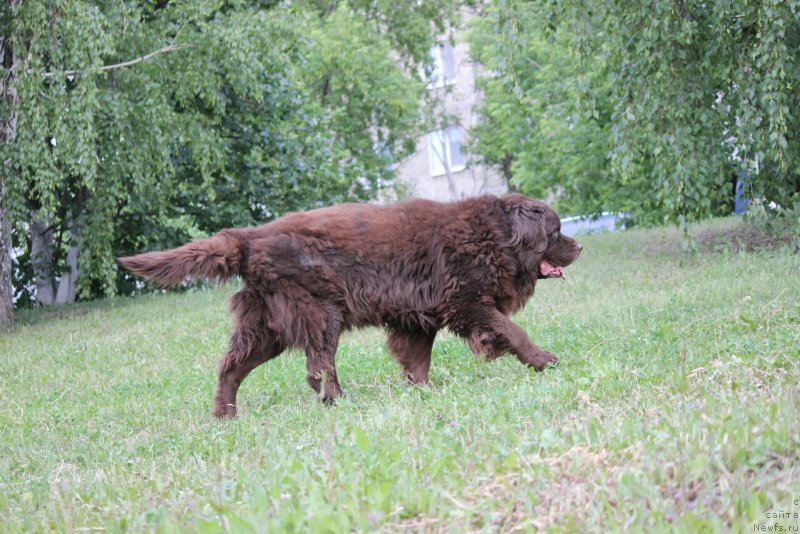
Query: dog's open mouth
{"type": "Point", "coordinates": [548, 270]}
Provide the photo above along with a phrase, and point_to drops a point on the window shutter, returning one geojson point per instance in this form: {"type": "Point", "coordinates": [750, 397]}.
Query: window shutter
{"type": "Point", "coordinates": [437, 152]}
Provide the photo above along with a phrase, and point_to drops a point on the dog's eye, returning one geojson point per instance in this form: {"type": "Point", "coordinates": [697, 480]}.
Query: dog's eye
{"type": "Point", "coordinates": [554, 236]}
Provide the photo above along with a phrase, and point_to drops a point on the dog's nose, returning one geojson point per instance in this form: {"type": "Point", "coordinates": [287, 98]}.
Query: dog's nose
{"type": "Point", "coordinates": [580, 247]}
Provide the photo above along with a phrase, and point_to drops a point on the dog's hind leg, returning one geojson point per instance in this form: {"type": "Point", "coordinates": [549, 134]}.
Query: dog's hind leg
{"type": "Point", "coordinates": [412, 348]}
{"type": "Point", "coordinates": [252, 343]}
{"type": "Point", "coordinates": [321, 362]}
{"type": "Point", "coordinates": [247, 351]}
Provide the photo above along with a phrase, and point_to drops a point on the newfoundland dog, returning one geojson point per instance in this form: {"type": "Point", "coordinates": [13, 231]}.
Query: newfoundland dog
{"type": "Point", "coordinates": [414, 268]}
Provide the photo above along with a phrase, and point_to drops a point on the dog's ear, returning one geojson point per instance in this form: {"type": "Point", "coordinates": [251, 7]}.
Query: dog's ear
{"type": "Point", "coordinates": [527, 221]}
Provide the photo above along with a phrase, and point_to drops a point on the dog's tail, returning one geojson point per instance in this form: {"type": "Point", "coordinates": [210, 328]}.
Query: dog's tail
{"type": "Point", "coordinates": [219, 257]}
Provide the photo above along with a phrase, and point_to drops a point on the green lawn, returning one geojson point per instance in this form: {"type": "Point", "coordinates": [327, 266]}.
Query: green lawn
{"type": "Point", "coordinates": [675, 406]}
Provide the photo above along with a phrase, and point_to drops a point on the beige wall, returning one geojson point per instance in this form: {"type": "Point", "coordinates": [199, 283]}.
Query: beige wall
{"type": "Point", "coordinates": [457, 101]}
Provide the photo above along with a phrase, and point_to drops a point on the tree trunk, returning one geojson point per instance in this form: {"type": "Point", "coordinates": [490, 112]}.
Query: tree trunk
{"type": "Point", "coordinates": [8, 132]}
{"type": "Point", "coordinates": [68, 284]}
{"type": "Point", "coordinates": [42, 260]}
{"type": "Point", "coordinates": [6, 286]}
{"type": "Point", "coordinates": [508, 159]}
{"type": "Point", "coordinates": [52, 287]}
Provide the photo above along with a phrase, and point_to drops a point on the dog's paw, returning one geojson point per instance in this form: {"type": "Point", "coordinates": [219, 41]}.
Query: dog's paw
{"type": "Point", "coordinates": [331, 394]}
{"type": "Point", "coordinates": [224, 411]}
{"type": "Point", "coordinates": [543, 360]}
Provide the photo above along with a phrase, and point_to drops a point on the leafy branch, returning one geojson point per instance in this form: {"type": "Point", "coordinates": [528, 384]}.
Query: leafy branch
{"type": "Point", "coordinates": [141, 59]}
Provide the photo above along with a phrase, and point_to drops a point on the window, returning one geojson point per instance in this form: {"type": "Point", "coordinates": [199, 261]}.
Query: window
{"type": "Point", "coordinates": [444, 65]}
{"type": "Point", "coordinates": [445, 150]}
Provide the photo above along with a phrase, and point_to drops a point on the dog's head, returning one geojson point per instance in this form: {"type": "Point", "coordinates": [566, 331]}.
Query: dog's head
{"type": "Point", "coordinates": [536, 237]}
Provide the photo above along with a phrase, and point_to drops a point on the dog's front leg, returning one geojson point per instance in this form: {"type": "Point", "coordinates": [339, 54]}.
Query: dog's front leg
{"type": "Point", "coordinates": [492, 334]}
{"type": "Point", "coordinates": [412, 348]}
{"type": "Point", "coordinates": [523, 348]}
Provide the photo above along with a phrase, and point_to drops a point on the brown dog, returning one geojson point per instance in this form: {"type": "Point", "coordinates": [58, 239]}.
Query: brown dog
{"type": "Point", "coordinates": [414, 268]}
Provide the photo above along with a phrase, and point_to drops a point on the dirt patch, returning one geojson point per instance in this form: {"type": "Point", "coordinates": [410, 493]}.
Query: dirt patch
{"type": "Point", "coordinates": [729, 237]}
{"type": "Point", "coordinates": [743, 237]}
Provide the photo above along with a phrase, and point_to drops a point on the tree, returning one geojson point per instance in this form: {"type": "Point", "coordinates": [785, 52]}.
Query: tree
{"type": "Point", "coordinates": [546, 115]}
{"type": "Point", "coordinates": [8, 132]}
{"type": "Point", "coordinates": [110, 128]}
{"type": "Point", "coordinates": [368, 67]}
{"type": "Point", "coordinates": [691, 85]}
{"type": "Point", "coordinates": [142, 124]}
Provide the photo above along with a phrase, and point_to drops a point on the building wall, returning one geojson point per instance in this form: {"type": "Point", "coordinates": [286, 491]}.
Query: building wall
{"type": "Point", "coordinates": [458, 101]}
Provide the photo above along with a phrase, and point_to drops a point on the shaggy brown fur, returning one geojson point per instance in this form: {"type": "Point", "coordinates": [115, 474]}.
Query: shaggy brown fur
{"type": "Point", "coordinates": [414, 268]}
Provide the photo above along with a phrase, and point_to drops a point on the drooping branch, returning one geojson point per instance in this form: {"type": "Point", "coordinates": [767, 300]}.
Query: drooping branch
{"type": "Point", "coordinates": [162, 50]}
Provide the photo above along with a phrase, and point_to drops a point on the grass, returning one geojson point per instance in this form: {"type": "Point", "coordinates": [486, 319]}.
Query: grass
{"type": "Point", "coordinates": [675, 407]}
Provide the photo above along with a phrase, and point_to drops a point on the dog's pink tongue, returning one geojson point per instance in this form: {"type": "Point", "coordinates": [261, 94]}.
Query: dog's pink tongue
{"type": "Point", "coordinates": [551, 271]}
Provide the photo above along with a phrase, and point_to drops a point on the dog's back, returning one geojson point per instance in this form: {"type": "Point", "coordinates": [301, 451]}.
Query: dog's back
{"type": "Point", "coordinates": [377, 265]}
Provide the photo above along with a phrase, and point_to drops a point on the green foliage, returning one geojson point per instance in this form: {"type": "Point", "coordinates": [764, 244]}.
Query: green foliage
{"type": "Point", "coordinates": [533, 121]}
{"type": "Point", "coordinates": [410, 27]}
{"type": "Point", "coordinates": [372, 102]}
{"type": "Point", "coordinates": [279, 153]}
{"type": "Point", "coordinates": [366, 68]}
{"type": "Point", "coordinates": [686, 85]}
{"type": "Point", "coordinates": [142, 124]}
{"type": "Point", "coordinates": [672, 409]}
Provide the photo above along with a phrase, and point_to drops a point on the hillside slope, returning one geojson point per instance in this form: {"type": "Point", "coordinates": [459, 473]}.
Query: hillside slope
{"type": "Point", "coordinates": [675, 405]}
